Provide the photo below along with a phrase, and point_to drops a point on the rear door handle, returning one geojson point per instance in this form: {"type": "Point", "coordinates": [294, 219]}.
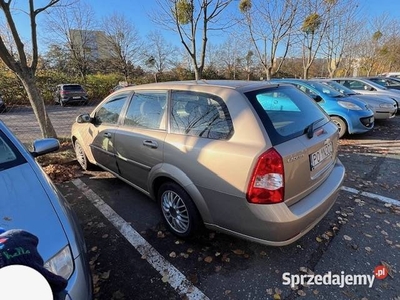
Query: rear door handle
{"type": "Point", "coordinates": [151, 144]}
{"type": "Point", "coordinates": [107, 135]}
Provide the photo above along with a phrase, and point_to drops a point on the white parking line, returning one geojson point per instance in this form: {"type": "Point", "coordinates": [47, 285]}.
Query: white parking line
{"type": "Point", "coordinates": [371, 195]}
{"type": "Point", "coordinates": [168, 272]}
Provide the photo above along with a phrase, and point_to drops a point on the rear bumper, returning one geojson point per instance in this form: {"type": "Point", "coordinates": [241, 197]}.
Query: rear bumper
{"type": "Point", "coordinates": [74, 99]}
{"type": "Point", "coordinates": [279, 224]}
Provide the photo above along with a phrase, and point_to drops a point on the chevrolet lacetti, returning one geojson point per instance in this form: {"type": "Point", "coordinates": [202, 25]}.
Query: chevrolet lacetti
{"type": "Point", "coordinates": [251, 159]}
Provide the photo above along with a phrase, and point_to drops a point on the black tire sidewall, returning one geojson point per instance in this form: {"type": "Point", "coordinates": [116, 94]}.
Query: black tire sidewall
{"type": "Point", "coordinates": [194, 216]}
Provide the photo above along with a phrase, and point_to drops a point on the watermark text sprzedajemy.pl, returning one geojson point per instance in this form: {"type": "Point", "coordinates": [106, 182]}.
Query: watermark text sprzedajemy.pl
{"type": "Point", "coordinates": [341, 280]}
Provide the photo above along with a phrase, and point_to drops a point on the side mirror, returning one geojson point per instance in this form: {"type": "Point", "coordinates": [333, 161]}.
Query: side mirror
{"type": "Point", "coordinates": [83, 118]}
{"type": "Point", "coordinates": [44, 146]}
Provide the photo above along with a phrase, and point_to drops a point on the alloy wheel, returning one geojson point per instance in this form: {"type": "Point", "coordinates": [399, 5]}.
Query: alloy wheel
{"type": "Point", "coordinates": [175, 211]}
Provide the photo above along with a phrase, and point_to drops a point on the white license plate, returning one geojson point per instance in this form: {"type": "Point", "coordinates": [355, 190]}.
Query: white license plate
{"type": "Point", "coordinates": [319, 156]}
{"type": "Point", "coordinates": [76, 97]}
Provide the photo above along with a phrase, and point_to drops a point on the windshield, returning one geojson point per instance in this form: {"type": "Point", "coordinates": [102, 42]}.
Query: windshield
{"type": "Point", "coordinates": [325, 89]}
{"type": "Point", "coordinates": [340, 88]}
{"type": "Point", "coordinates": [286, 112]}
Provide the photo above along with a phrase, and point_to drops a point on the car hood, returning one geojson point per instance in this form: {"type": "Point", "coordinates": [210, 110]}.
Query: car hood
{"type": "Point", "coordinates": [374, 99]}
{"type": "Point", "coordinates": [392, 93]}
{"type": "Point", "coordinates": [25, 205]}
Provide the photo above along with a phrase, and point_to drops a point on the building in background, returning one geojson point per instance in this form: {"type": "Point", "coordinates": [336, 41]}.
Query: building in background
{"type": "Point", "coordinates": [91, 43]}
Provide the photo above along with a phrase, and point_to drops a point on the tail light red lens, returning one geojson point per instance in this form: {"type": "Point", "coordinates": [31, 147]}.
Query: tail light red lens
{"type": "Point", "coordinates": [267, 183]}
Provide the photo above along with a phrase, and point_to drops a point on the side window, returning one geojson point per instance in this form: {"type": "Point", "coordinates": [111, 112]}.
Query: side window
{"type": "Point", "coordinates": [306, 90]}
{"type": "Point", "coordinates": [355, 85]}
{"type": "Point", "coordinates": [146, 110]}
{"type": "Point", "coordinates": [200, 114]}
{"type": "Point", "coordinates": [110, 111]}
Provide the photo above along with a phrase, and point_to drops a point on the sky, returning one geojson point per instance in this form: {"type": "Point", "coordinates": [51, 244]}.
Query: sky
{"type": "Point", "coordinates": [139, 11]}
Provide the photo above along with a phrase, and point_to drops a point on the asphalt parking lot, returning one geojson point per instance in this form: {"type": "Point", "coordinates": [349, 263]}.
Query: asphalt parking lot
{"type": "Point", "coordinates": [132, 256]}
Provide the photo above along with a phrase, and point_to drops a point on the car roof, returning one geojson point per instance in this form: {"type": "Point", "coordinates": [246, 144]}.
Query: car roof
{"type": "Point", "coordinates": [62, 84]}
{"type": "Point", "coordinates": [240, 85]}
{"type": "Point", "coordinates": [289, 80]}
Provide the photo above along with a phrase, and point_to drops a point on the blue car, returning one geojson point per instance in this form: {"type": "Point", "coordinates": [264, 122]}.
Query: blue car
{"type": "Point", "coordinates": [30, 201]}
{"type": "Point", "coordinates": [349, 114]}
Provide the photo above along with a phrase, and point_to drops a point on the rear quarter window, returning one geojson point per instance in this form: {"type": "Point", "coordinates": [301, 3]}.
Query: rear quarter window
{"type": "Point", "coordinates": [9, 154]}
{"type": "Point", "coordinates": [286, 112]}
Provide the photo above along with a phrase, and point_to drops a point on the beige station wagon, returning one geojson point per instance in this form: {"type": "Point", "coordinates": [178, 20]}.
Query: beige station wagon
{"type": "Point", "coordinates": [251, 159]}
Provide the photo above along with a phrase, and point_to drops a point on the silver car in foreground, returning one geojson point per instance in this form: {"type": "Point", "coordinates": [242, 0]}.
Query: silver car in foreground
{"type": "Point", "coordinates": [31, 202]}
{"type": "Point", "coordinates": [251, 159]}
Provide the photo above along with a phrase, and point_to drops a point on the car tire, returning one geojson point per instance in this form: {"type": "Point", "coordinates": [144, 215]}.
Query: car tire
{"type": "Point", "coordinates": [178, 210]}
{"type": "Point", "coordinates": [341, 124]}
{"type": "Point", "coordinates": [81, 157]}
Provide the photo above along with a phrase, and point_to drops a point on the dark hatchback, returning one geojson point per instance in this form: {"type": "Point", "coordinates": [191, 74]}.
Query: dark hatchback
{"type": "Point", "coordinates": [70, 93]}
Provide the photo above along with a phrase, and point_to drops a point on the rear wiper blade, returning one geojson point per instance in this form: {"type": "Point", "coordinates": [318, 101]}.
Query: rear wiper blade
{"type": "Point", "coordinates": [310, 128]}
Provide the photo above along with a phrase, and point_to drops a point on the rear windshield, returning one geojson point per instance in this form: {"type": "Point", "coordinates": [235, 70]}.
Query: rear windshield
{"type": "Point", "coordinates": [73, 87]}
{"type": "Point", "coordinates": [286, 112]}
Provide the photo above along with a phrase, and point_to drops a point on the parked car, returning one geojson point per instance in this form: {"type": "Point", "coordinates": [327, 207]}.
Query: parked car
{"type": "Point", "coordinates": [2, 105]}
{"type": "Point", "coordinates": [388, 82]}
{"type": "Point", "coordinates": [29, 201]}
{"type": "Point", "coordinates": [368, 87]}
{"type": "Point", "coordinates": [392, 74]}
{"type": "Point", "coordinates": [70, 93]}
{"type": "Point", "coordinates": [382, 106]}
{"type": "Point", "coordinates": [349, 114]}
{"type": "Point", "coordinates": [217, 153]}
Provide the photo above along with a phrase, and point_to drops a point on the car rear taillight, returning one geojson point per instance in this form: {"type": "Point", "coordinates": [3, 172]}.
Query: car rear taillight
{"type": "Point", "coordinates": [267, 183]}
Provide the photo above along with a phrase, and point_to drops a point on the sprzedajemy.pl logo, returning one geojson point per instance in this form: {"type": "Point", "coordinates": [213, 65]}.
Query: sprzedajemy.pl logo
{"type": "Point", "coordinates": [340, 280]}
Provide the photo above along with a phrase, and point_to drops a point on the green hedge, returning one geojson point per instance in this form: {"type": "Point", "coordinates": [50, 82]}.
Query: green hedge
{"type": "Point", "coordinates": [98, 86]}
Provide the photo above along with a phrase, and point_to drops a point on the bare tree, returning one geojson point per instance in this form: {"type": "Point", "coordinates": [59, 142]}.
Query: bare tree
{"type": "Point", "coordinates": [270, 25]}
{"type": "Point", "coordinates": [190, 19]}
{"type": "Point", "coordinates": [73, 27]}
{"type": "Point", "coordinates": [343, 29]}
{"type": "Point", "coordinates": [123, 41]}
{"type": "Point", "coordinates": [316, 21]}
{"type": "Point", "coordinates": [230, 56]}
{"type": "Point", "coordinates": [16, 58]}
{"type": "Point", "coordinates": [159, 53]}
{"type": "Point", "coordinates": [387, 49]}
{"type": "Point", "coordinates": [372, 42]}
